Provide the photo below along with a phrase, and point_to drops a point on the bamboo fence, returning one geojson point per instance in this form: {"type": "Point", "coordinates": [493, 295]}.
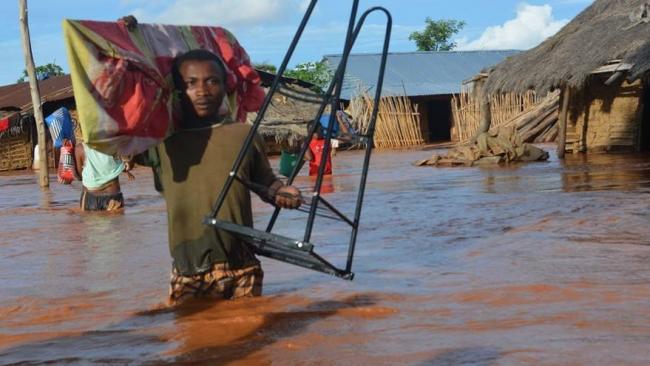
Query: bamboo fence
{"type": "Point", "coordinates": [504, 107]}
{"type": "Point", "coordinates": [398, 123]}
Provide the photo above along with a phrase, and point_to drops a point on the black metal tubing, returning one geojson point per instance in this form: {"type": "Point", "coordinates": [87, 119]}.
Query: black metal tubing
{"type": "Point", "coordinates": [280, 248]}
{"type": "Point", "coordinates": [260, 235]}
{"type": "Point", "coordinates": [306, 260]}
{"type": "Point", "coordinates": [262, 190]}
{"type": "Point", "coordinates": [332, 96]}
{"type": "Point", "coordinates": [321, 215]}
{"type": "Point", "coordinates": [371, 128]}
{"type": "Point", "coordinates": [336, 80]}
{"type": "Point", "coordinates": [260, 114]}
{"type": "Point", "coordinates": [337, 212]}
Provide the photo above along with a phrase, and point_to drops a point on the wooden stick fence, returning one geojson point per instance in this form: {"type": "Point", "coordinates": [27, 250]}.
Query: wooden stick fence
{"type": "Point", "coordinates": [398, 123]}
{"type": "Point", "coordinates": [503, 107]}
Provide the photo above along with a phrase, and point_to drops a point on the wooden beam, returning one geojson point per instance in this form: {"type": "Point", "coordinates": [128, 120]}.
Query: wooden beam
{"type": "Point", "coordinates": [43, 177]}
{"type": "Point", "coordinates": [614, 78]}
{"type": "Point", "coordinates": [613, 67]}
{"type": "Point", "coordinates": [562, 122]}
{"type": "Point", "coordinates": [479, 76]}
{"type": "Point", "coordinates": [485, 114]}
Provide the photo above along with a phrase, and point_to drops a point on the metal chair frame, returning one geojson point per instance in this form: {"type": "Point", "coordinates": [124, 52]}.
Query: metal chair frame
{"type": "Point", "coordinates": [301, 252]}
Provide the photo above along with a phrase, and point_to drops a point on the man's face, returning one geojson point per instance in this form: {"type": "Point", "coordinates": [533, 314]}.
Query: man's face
{"type": "Point", "coordinates": [204, 87]}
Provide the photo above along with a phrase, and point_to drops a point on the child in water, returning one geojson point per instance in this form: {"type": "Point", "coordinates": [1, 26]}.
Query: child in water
{"type": "Point", "coordinates": [315, 153]}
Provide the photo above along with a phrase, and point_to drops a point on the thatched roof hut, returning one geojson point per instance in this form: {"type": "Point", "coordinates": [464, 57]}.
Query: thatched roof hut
{"type": "Point", "coordinates": [600, 61]}
{"type": "Point", "coordinates": [605, 31]}
{"type": "Point", "coordinates": [293, 107]}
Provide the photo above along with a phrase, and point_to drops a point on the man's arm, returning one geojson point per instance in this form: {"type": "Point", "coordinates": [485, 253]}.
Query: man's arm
{"type": "Point", "coordinates": [151, 159]}
{"type": "Point", "coordinates": [309, 156]}
{"type": "Point", "coordinates": [79, 159]}
{"type": "Point", "coordinates": [277, 192]}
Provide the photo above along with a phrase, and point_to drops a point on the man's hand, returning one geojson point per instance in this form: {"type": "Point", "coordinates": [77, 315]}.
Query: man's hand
{"type": "Point", "coordinates": [288, 197]}
{"type": "Point", "coordinates": [129, 164]}
{"type": "Point", "coordinates": [129, 21]}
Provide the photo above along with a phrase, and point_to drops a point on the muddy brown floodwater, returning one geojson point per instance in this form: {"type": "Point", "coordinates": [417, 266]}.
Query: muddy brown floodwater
{"type": "Point", "coordinates": [537, 264]}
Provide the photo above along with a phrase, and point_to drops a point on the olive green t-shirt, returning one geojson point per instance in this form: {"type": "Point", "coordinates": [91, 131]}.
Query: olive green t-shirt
{"type": "Point", "coordinates": [193, 167]}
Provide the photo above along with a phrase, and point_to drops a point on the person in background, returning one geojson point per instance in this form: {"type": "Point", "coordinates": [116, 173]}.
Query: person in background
{"type": "Point", "coordinates": [347, 132]}
{"type": "Point", "coordinates": [314, 153]}
{"type": "Point", "coordinates": [61, 129]}
{"type": "Point", "coordinates": [99, 174]}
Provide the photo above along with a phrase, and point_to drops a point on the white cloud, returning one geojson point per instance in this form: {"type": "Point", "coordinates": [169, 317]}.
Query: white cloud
{"type": "Point", "coordinates": [228, 13]}
{"type": "Point", "coordinates": [532, 25]}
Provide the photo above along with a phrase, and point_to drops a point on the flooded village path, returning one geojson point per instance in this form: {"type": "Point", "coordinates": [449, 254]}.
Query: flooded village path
{"type": "Point", "coordinates": [537, 264]}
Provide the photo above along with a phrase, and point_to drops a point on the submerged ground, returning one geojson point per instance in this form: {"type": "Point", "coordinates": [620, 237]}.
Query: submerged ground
{"type": "Point", "coordinates": [537, 264]}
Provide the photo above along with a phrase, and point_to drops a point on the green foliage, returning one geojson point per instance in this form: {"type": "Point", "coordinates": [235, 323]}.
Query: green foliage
{"type": "Point", "coordinates": [316, 73]}
{"type": "Point", "coordinates": [265, 66]}
{"type": "Point", "coordinates": [50, 70]}
{"type": "Point", "coordinates": [436, 35]}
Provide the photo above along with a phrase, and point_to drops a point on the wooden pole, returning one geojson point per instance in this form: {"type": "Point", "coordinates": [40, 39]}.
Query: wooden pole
{"type": "Point", "coordinates": [43, 177]}
{"type": "Point", "coordinates": [486, 116]}
{"type": "Point", "coordinates": [562, 121]}
{"type": "Point", "coordinates": [484, 110]}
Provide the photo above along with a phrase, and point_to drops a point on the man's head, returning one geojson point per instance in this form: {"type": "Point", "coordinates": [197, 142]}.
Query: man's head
{"type": "Point", "coordinates": [200, 76]}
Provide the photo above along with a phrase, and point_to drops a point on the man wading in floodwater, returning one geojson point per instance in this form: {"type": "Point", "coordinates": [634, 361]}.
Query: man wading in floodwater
{"type": "Point", "coordinates": [190, 169]}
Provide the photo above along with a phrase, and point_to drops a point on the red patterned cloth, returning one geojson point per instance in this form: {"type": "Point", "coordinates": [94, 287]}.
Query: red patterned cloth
{"type": "Point", "coordinates": [317, 146]}
{"type": "Point", "coordinates": [123, 86]}
{"type": "Point", "coordinates": [4, 124]}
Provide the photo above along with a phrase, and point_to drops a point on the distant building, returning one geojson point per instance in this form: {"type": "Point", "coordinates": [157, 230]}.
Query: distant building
{"type": "Point", "coordinates": [601, 63]}
{"type": "Point", "coordinates": [428, 78]}
{"type": "Point", "coordinates": [17, 127]}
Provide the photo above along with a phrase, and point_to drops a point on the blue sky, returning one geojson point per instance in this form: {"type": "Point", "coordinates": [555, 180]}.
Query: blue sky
{"type": "Point", "coordinates": [265, 27]}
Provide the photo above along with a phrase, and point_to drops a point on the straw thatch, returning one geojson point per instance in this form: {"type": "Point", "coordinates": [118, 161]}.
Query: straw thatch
{"type": "Point", "coordinates": [293, 107]}
{"type": "Point", "coordinates": [607, 30]}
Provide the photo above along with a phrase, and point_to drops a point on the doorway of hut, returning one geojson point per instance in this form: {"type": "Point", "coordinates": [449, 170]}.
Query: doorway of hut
{"type": "Point", "coordinates": [645, 121]}
{"type": "Point", "coordinates": [439, 120]}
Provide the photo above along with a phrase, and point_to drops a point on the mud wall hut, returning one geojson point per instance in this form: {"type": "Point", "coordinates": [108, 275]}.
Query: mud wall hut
{"type": "Point", "coordinates": [428, 79]}
{"type": "Point", "coordinates": [17, 126]}
{"type": "Point", "coordinates": [600, 62]}
{"type": "Point", "coordinates": [293, 107]}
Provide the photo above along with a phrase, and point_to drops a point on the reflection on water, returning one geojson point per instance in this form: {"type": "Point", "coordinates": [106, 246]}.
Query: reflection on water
{"type": "Point", "coordinates": [541, 263]}
{"type": "Point", "coordinates": [584, 172]}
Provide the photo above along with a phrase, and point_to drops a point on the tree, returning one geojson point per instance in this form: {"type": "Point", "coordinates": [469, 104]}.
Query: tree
{"type": "Point", "coordinates": [436, 34]}
{"type": "Point", "coordinates": [43, 72]}
{"type": "Point", "coordinates": [316, 73]}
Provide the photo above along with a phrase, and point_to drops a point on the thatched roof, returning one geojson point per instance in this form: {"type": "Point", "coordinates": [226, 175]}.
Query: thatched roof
{"type": "Point", "coordinates": [607, 30]}
{"type": "Point", "coordinates": [286, 119]}
{"type": "Point", "coordinates": [17, 97]}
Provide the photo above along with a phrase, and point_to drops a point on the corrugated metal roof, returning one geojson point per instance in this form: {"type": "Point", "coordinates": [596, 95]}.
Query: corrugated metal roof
{"type": "Point", "coordinates": [417, 73]}
{"type": "Point", "coordinates": [17, 96]}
